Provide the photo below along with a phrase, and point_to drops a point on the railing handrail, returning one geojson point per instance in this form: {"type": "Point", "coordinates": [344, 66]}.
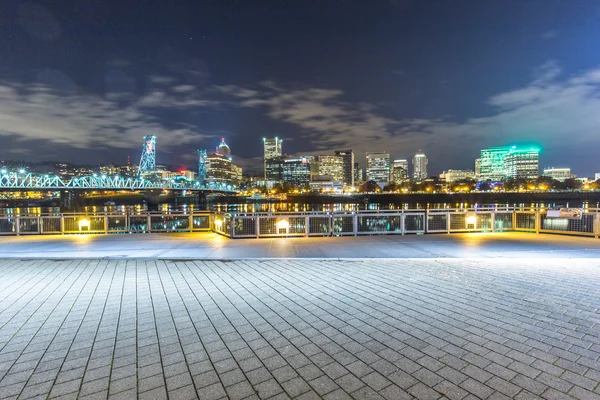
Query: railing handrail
{"type": "Point", "coordinates": [288, 213]}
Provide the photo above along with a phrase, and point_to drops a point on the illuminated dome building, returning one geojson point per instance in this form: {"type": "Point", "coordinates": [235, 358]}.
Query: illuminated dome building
{"type": "Point", "coordinates": [224, 149]}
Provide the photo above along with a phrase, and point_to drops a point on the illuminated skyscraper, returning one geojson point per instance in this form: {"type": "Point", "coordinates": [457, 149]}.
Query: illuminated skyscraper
{"type": "Point", "coordinates": [272, 149]}
{"type": "Point", "coordinates": [420, 166]}
{"type": "Point", "coordinates": [224, 149]}
{"type": "Point", "coordinates": [274, 169]}
{"type": "Point", "coordinates": [220, 169]}
{"type": "Point", "coordinates": [296, 171]}
{"type": "Point", "coordinates": [358, 173]}
{"type": "Point", "coordinates": [378, 167]}
{"type": "Point", "coordinates": [399, 171]}
{"type": "Point", "coordinates": [348, 157]}
{"type": "Point", "coordinates": [332, 166]}
{"type": "Point", "coordinates": [491, 165]}
{"type": "Point", "coordinates": [508, 162]}
{"type": "Point", "coordinates": [522, 163]}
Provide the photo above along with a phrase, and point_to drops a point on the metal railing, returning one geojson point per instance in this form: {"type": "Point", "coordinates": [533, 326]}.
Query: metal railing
{"type": "Point", "coordinates": [403, 222]}
{"type": "Point", "coordinates": [105, 223]}
{"type": "Point", "coordinates": [306, 224]}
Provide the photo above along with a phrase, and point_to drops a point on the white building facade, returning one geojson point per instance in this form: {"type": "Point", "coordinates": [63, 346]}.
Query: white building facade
{"type": "Point", "coordinates": [559, 174]}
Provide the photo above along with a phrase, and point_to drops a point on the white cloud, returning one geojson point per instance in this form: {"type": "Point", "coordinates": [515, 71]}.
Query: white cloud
{"type": "Point", "coordinates": [83, 121]}
{"type": "Point", "coordinates": [557, 111]}
{"type": "Point", "coordinates": [559, 114]}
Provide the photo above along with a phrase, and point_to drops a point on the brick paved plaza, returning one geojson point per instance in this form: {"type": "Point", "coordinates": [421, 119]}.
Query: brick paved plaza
{"type": "Point", "coordinates": [306, 329]}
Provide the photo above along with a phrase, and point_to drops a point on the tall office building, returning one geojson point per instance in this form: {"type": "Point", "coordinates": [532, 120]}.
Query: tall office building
{"type": "Point", "coordinates": [506, 162]}
{"type": "Point", "coordinates": [332, 166]}
{"type": "Point", "coordinates": [559, 174]}
{"type": "Point", "coordinates": [378, 167]}
{"type": "Point", "coordinates": [477, 168]}
{"type": "Point", "coordinates": [358, 173]}
{"type": "Point", "coordinates": [348, 157]}
{"type": "Point", "coordinates": [522, 163]}
{"type": "Point", "coordinates": [399, 171]}
{"type": "Point", "coordinates": [491, 165]}
{"type": "Point", "coordinates": [219, 169]}
{"type": "Point", "coordinates": [274, 169]}
{"type": "Point", "coordinates": [296, 171]}
{"type": "Point", "coordinates": [224, 149]}
{"type": "Point", "coordinates": [272, 149]}
{"type": "Point", "coordinates": [420, 166]}
{"type": "Point", "coordinates": [218, 166]}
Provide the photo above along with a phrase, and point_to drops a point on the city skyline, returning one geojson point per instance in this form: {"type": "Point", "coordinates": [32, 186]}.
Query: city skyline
{"type": "Point", "coordinates": [273, 149]}
{"type": "Point", "coordinates": [390, 76]}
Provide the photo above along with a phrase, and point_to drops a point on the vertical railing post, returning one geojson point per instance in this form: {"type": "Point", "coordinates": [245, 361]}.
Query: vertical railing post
{"type": "Point", "coordinates": [597, 225]}
{"type": "Point", "coordinates": [306, 227]}
{"type": "Point", "coordinates": [493, 219]}
{"type": "Point", "coordinates": [257, 226]}
{"type": "Point", "coordinates": [331, 224]}
{"type": "Point", "coordinates": [448, 222]}
{"type": "Point", "coordinates": [537, 221]}
{"type": "Point", "coordinates": [514, 220]}
{"type": "Point", "coordinates": [355, 224]}
{"type": "Point", "coordinates": [18, 225]}
{"type": "Point", "coordinates": [148, 223]}
{"type": "Point", "coordinates": [62, 224]}
{"type": "Point", "coordinates": [191, 222]}
{"type": "Point", "coordinates": [105, 224]}
{"type": "Point", "coordinates": [40, 225]}
{"type": "Point", "coordinates": [403, 222]}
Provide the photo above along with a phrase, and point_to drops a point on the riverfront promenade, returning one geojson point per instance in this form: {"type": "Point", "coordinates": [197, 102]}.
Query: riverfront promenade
{"type": "Point", "coordinates": [213, 246]}
{"type": "Point", "coordinates": [460, 317]}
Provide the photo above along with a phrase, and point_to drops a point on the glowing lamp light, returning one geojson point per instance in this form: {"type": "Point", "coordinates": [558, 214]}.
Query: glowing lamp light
{"type": "Point", "coordinates": [84, 223]}
{"type": "Point", "coordinates": [21, 171]}
{"type": "Point", "coordinates": [282, 223]}
{"type": "Point", "coordinates": [218, 223]}
{"type": "Point", "coordinates": [3, 171]}
{"type": "Point", "coordinates": [471, 219]}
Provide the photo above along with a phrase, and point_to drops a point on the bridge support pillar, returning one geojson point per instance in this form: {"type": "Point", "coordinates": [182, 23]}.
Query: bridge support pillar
{"type": "Point", "coordinates": [152, 198]}
{"type": "Point", "coordinates": [202, 201]}
{"type": "Point", "coordinates": [70, 200]}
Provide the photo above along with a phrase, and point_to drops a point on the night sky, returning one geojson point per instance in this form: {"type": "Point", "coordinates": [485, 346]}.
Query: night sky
{"type": "Point", "coordinates": [84, 80]}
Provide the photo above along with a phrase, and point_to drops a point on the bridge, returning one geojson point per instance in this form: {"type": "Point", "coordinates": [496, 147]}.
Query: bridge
{"type": "Point", "coordinates": [20, 180]}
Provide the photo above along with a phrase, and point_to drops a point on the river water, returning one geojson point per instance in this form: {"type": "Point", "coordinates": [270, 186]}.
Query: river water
{"type": "Point", "coordinates": [282, 206]}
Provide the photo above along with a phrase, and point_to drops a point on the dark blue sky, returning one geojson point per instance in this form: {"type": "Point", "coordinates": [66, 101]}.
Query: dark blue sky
{"type": "Point", "coordinates": [84, 80]}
